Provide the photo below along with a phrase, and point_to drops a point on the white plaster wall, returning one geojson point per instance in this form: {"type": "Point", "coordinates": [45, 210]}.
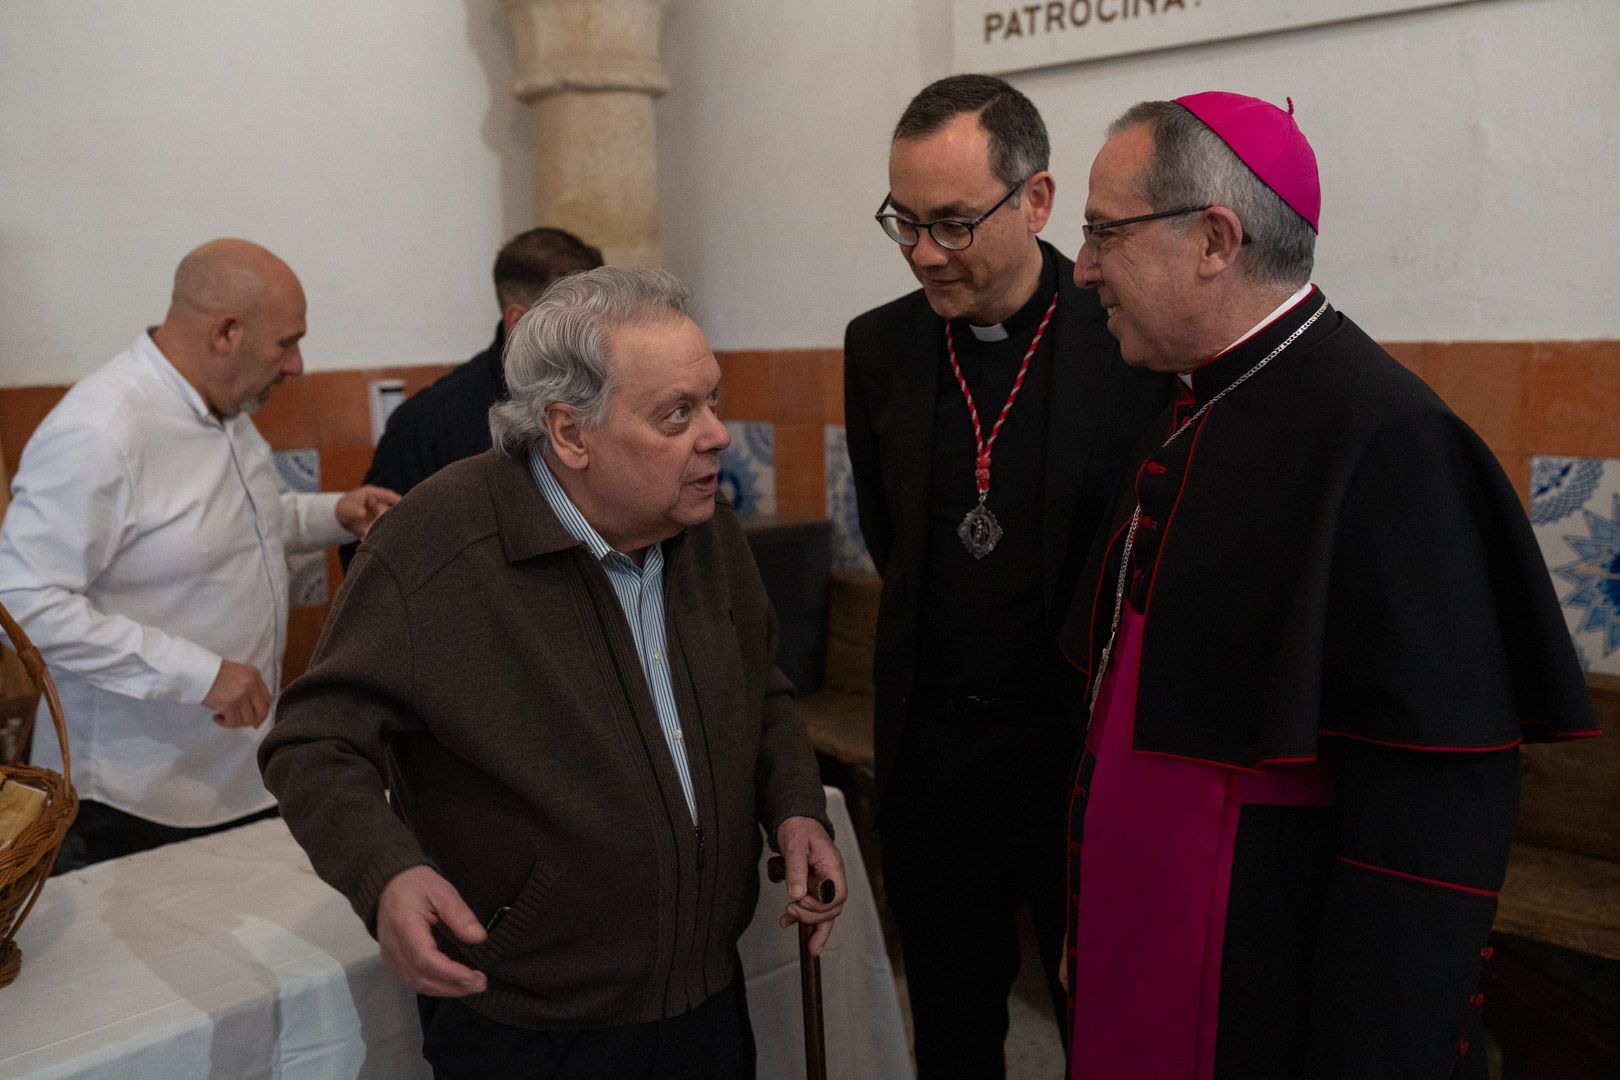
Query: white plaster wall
{"type": "Point", "coordinates": [1470, 158]}
{"type": "Point", "coordinates": [373, 144]}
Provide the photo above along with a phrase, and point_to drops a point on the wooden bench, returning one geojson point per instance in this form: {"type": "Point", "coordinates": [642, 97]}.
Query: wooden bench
{"type": "Point", "coordinates": [839, 715]}
{"type": "Point", "coordinates": [1557, 934]}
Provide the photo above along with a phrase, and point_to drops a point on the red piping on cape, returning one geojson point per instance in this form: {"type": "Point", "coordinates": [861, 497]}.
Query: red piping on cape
{"type": "Point", "coordinates": [1288, 760]}
{"type": "Point", "coordinates": [1414, 877]}
{"type": "Point", "coordinates": [1261, 764]}
{"type": "Point", "coordinates": [1591, 733]}
{"type": "Point", "coordinates": [1170, 520]}
{"type": "Point", "coordinates": [1420, 746]}
{"type": "Point", "coordinates": [1147, 606]}
{"type": "Point", "coordinates": [1255, 768]}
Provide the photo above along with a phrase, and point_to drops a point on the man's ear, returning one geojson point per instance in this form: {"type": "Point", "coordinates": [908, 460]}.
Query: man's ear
{"type": "Point", "coordinates": [1221, 238]}
{"type": "Point", "coordinates": [225, 334]}
{"type": "Point", "coordinates": [510, 315]}
{"type": "Point", "coordinates": [567, 435]}
{"type": "Point", "coordinates": [1039, 192]}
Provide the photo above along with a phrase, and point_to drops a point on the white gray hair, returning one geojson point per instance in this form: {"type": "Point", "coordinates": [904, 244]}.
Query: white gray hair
{"type": "Point", "coordinates": [1193, 166]}
{"type": "Point", "coordinates": [558, 351]}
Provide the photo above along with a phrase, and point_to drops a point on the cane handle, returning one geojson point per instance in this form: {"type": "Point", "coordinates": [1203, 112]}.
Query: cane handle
{"type": "Point", "coordinates": [817, 886]}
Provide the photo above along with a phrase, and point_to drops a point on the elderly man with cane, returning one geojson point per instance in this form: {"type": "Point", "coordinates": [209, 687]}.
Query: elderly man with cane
{"type": "Point", "coordinates": [544, 730]}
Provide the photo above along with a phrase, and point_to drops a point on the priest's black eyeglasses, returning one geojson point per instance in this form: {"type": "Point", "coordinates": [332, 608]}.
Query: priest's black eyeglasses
{"type": "Point", "coordinates": [949, 234]}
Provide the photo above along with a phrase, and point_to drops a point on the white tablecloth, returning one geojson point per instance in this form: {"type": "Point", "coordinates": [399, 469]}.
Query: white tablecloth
{"type": "Point", "coordinates": [226, 958]}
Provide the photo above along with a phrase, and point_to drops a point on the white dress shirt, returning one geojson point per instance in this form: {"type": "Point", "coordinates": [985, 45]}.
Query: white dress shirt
{"type": "Point", "coordinates": [146, 542]}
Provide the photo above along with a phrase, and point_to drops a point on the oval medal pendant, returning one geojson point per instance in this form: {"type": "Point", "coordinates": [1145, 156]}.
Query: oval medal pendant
{"type": "Point", "coordinates": [979, 531]}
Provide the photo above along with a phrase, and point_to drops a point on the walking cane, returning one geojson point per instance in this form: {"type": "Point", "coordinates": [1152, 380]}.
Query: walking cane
{"type": "Point", "coordinates": [815, 1044]}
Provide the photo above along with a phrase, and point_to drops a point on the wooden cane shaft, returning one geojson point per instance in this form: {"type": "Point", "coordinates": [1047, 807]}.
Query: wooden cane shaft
{"type": "Point", "coordinates": [815, 1042]}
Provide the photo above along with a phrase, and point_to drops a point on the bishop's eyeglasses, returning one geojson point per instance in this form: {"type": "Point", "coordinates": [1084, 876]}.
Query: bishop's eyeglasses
{"type": "Point", "coordinates": [1095, 231]}
{"type": "Point", "coordinates": [949, 233]}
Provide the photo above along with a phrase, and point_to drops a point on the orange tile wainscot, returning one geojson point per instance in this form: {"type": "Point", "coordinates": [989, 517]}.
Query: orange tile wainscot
{"type": "Point", "coordinates": [1524, 398]}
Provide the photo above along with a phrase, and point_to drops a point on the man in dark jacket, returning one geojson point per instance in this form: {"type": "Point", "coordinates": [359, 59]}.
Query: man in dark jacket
{"type": "Point", "coordinates": [558, 663]}
{"type": "Point", "coordinates": [989, 416]}
{"type": "Point", "coordinates": [1317, 630]}
{"type": "Point", "coordinates": [449, 420]}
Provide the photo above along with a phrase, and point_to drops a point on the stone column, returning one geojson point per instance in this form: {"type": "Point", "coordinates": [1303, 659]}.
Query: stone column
{"type": "Point", "coordinates": [590, 69]}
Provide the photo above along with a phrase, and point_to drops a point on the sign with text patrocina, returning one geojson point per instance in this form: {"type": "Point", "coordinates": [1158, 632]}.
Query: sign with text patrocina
{"type": "Point", "coordinates": [999, 36]}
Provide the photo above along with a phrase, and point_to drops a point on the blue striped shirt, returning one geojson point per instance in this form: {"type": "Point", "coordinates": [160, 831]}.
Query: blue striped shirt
{"type": "Point", "coordinates": [640, 590]}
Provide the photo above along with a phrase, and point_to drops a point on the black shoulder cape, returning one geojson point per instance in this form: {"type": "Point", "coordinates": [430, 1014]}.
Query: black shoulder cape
{"type": "Point", "coordinates": [1329, 551]}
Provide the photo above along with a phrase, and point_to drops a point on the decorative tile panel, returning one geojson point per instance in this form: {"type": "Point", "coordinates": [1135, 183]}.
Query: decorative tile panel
{"type": "Point", "coordinates": [748, 468]}
{"type": "Point", "coordinates": [848, 548]}
{"type": "Point", "coordinates": [300, 470]}
{"type": "Point", "coordinates": [1575, 511]}
{"type": "Point", "coordinates": [308, 585]}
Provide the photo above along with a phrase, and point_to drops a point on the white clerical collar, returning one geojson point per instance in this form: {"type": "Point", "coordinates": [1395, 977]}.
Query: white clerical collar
{"type": "Point", "coordinates": [1276, 313]}
{"type": "Point", "coordinates": [993, 332]}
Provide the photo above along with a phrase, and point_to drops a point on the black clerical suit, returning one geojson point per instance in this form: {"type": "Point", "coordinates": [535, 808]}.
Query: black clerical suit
{"type": "Point", "coordinates": [974, 723]}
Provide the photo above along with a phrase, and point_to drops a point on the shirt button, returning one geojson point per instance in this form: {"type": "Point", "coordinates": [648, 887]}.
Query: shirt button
{"type": "Point", "coordinates": [657, 655]}
{"type": "Point", "coordinates": [679, 734]}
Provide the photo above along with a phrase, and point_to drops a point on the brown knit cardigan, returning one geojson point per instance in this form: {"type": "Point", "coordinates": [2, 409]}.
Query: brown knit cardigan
{"type": "Point", "coordinates": [477, 663]}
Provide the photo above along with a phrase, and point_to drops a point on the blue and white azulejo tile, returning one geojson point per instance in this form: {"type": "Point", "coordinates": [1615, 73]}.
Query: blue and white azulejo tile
{"type": "Point", "coordinates": [748, 468]}
{"type": "Point", "coordinates": [307, 574]}
{"type": "Point", "coordinates": [1575, 510]}
{"type": "Point", "coordinates": [848, 548]}
{"type": "Point", "coordinates": [300, 470]}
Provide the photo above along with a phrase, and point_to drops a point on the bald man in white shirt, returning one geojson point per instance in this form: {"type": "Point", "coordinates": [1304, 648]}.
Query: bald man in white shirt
{"type": "Point", "coordinates": [145, 554]}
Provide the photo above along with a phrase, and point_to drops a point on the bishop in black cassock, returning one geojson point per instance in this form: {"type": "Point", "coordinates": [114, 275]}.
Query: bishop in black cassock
{"type": "Point", "coordinates": [1316, 630]}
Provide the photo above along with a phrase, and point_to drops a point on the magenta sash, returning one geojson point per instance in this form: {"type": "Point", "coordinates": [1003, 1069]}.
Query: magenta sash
{"type": "Point", "coordinates": [1155, 871]}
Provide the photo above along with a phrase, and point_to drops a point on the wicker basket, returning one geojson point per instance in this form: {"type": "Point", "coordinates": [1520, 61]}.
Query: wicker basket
{"type": "Point", "coordinates": [27, 862]}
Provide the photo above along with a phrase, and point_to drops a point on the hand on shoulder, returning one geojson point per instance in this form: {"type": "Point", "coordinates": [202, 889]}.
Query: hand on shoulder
{"type": "Point", "coordinates": [359, 509]}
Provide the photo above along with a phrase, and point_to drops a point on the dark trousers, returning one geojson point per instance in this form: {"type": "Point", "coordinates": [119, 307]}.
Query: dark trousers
{"type": "Point", "coordinates": [712, 1042]}
{"type": "Point", "coordinates": [973, 828]}
{"type": "Point", "coordinates": [102, 832]}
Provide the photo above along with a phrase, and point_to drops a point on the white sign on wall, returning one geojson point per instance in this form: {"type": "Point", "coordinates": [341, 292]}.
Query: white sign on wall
{"type": "Point", "coordinates": [999, 36]}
